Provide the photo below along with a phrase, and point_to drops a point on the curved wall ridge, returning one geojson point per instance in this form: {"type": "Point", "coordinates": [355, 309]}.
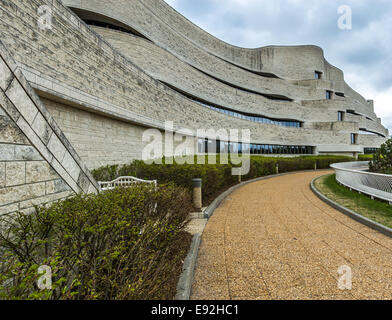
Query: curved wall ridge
{"type": "Point", "coordinates": [167, 68]}
{"type": "Point", "coordinates": [296, 63]}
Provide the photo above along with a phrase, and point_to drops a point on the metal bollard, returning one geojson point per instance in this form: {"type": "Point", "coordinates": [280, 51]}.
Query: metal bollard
{"type": "Point", "coordinates": [277, 168]}
{"type": "Point", "coordinates": [197, 200]}
{"type": "Point", "coordinates": [315, 165]}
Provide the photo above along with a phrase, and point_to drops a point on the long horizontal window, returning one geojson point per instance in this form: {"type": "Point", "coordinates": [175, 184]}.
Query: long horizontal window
{"type": "Point", "coordinates": [370, 150]}
{"type": "Point", "coordinates": [364, 131]}
{"type": "Point", "coordinates": [217, 146]}
{"type": "Point", "coordinates": [240, 115]}
{"type": "Point", "coordinates": [113, 27]}
{"type": "Point", "coordinates": [254, 118]}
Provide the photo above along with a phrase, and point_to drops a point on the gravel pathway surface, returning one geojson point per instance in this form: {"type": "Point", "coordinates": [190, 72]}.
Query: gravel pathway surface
{"type": "Point", "coordinates": [274, 239]}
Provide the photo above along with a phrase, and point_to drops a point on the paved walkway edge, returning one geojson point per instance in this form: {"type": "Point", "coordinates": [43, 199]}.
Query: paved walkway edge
{"type": "Point", "coordinates": [352, 214]}
{"type": "Point", "coordinates": [184, 286]}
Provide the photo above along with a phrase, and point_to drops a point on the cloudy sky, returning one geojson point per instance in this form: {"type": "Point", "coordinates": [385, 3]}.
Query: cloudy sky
{"type": "Point", "coordinates": [364, 53]}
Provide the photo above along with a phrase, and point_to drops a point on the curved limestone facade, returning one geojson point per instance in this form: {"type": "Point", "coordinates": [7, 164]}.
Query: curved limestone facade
{"type": "Point", "coordinates": [82, 80]}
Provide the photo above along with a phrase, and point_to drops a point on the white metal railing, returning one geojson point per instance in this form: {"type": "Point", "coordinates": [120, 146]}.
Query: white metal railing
{"type": "Point", "coordinates": [123, 182]}
{"type": "Point", "coordinates": [354, 176]}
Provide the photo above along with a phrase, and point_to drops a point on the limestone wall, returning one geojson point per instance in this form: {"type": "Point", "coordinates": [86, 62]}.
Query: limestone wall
{"type": "Point", "coordinates": [37, 163]}
{"type": "Point", "coordinates": [169, 30]}
{"type": "Point", "coordinates": [26, 179]}
{"type": "Point", "coordinates": [166, 67]}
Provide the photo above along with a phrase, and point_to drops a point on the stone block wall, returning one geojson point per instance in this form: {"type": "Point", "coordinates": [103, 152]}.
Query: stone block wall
{"type": "Point", "coordinates": [37, 163]}
{"type": "Point", "coordinates": [26, 179]}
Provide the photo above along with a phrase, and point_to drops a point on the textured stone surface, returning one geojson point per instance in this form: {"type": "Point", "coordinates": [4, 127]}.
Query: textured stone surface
{"type": "Point", "coordinates": [19, 98]}
{"type": "Point", "coordinates": [37, 171]}
{"type": "Point", "coordinates": [20, 193]}
{"type": "Point", "coordinates": [116, 86]}
{"type": "Point", "coordinates": [2, 174]}
{"type": "Point", "coordinates": [56, 186]}
{"type": "Point", "coordinates": [274, 239]}
{"type": "Point", "coordinates": [15, 173]}
{"type": "Point", "coordinates": [27, 153]}
{"type": "Point", "coordinates": [32, 119]}
{"type": "Point", "coordinates": [7, 152]}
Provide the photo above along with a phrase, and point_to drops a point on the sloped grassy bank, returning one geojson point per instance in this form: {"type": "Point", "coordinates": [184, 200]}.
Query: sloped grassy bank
{"type": "Point", "coordinates": [375, 210]}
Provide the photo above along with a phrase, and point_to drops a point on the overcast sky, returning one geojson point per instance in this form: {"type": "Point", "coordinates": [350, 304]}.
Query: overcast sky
{"type": "Point", "coordinates": [364, 53]}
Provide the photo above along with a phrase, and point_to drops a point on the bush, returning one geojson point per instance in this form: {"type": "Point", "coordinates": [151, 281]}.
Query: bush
{"type": "Point", "coordinates": [382, 159]}
{"type": "Point", "coordinates": [216, 177]}
{"type": "Point", "coordinates": [120, 244]}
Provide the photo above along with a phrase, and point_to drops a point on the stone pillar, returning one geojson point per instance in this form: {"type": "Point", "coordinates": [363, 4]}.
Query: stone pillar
{"type": "Point", "coordinates": [197, 199]}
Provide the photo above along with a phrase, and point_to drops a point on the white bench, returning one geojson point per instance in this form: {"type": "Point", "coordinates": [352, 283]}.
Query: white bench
{"type": "Point", "coordinates": [123, 182]}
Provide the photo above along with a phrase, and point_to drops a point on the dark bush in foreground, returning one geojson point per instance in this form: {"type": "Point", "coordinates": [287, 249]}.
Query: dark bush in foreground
{"type": "Point", "coordinates": [216, 177]}
{"type": "Point", "coordinates": [382, 159]}
{"type": "Point", "coordinates": [120, 244]}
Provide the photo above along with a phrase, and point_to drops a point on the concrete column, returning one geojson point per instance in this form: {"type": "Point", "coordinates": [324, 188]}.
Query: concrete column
{"type": "Point", "coordinates": [197, 199]}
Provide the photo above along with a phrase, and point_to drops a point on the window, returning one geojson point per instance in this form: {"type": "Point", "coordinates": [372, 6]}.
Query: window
{"type": "Point", "coordinates": [353, 138]}
{"type": "Point", "coordinates": [317, 74]}
{"type": "Point", "coordinates": [370, 150]}
{"type": "Point", "coordinates": [329, 95]}
{"type": "Point", "coordinates": [340, 115]}
{"type": "Point", "coordinates": [201, 148]}
{"type": "Point", "coordinates": [217, 146]}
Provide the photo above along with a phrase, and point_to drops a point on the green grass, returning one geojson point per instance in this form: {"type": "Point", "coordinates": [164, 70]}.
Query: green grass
{"type": "Point", "coordinates": [375, 210]}
{"type": "Point", "coordinates": [365, 157]}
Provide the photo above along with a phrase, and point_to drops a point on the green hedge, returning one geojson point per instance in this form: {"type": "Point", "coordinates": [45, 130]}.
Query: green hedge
{"type": "Point", "coordinates": [216, 178]}
{"type": "Point", "coordinates": [365, 157]}
{"type": "Point", "coordinates": [121, 244]}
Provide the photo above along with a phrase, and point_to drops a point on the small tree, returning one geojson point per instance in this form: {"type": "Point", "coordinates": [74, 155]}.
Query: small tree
{"type": "Point", "coordinates": [382, 160]}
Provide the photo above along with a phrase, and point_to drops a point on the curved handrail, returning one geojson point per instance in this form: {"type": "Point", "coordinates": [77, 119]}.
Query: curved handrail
{"type": "Point", "coordinates": [354, 176]}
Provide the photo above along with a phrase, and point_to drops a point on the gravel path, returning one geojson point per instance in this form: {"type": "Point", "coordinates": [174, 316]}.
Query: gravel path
{"type": "Point", "coordinates": [274, 239]}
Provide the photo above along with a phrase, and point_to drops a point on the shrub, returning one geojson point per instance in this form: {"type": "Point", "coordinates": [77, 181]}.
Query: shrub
{"type": "Point", "coordinates": [120, 244]}
{"type": "Point", "coordinates": [216, 177]}
{"type": "Point", "coordinates": [382, 159]}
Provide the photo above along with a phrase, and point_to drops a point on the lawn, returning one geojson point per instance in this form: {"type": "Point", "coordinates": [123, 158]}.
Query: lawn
{"type": "Point", "coordinates": [375, 210]}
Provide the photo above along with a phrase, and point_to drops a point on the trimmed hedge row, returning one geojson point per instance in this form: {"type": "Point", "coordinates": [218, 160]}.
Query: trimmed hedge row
{"type": "Point", "coordinates": [216, 177]}
{"type": "Point", "coordinates": [121, 244]}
